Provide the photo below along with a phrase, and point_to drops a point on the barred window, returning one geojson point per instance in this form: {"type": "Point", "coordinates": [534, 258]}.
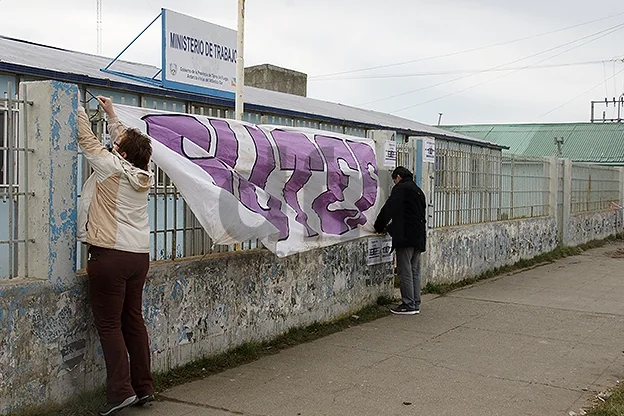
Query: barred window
{"type": "Point", "coordinates": [3, 152]}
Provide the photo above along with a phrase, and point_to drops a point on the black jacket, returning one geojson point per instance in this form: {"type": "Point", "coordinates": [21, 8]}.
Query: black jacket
{"type": "Point", "coordinates": [406, 207]}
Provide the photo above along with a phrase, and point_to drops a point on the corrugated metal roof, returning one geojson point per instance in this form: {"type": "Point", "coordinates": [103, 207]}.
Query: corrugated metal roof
{"type": "Point", "coordinates": [582, 142]}
{"type": "Point", "coordinates": [41, 60]}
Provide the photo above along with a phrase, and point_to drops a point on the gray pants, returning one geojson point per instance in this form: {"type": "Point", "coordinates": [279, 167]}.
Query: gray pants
{"type": "Point", "coordinates": [408, 265]}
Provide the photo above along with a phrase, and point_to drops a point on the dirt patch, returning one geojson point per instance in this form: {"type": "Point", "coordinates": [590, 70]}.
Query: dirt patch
{"type": "Point", "coordinates": [617, 254]}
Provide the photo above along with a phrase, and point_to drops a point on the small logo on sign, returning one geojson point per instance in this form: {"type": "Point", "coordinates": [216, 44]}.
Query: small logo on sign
{"type": "Point", "coordinates": [173, 69]}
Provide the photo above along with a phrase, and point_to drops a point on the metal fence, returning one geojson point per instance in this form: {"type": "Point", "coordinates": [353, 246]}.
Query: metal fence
{"type": "Point", "coordinates": [406, 155]}
{"type": "Point", "coordinates": [13, 233]}
{"type": "Point", "coordinates": [467, 186]}
{"type": "Point", "coordinates": [471, 185]}
{"type": "Point", "coordinates": [594, 188]}
{"type": "Point", "coordinates": [560, 196]}
{"type": "Point", "coordinates": [475, 185]}
{"type": "Point", "coordinates": [525, 190]}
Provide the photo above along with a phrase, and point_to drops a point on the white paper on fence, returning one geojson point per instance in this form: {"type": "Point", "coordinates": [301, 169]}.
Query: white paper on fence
{"type": "Point", "coordinates": [304, 189]}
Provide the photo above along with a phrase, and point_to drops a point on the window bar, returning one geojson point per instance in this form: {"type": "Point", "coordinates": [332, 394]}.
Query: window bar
{"type": "Point", "coordinates": [25, 180]}
{"type": "Point", "coordinates": [15, 183]}
{"type": "Point", "coordinates": [166, 213]}
{"type": "Point", "coordinates": [10, 178]}
{"type": "Point", "coordinates": [155, 209]}
{"type": "Point", "coordinates": [174, 238]}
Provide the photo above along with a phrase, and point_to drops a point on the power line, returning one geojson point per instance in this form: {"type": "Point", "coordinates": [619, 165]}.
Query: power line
{"type": "Point", "coordinates": [610, 31]}
{"type": "Point", "coordinates": [464, 71]}
{"type": "Point", "coordinates": [446, 55]}
{"type": "Point", "coordinates": [616, 27]}
{"type": "Point", "coordinates": [579, 96]}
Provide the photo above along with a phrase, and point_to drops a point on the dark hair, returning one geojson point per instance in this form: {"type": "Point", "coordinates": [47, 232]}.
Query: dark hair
{"type": "Point", "coordinates": [403, 172]}
{"type": "Point", "coordinates": [137, 147]}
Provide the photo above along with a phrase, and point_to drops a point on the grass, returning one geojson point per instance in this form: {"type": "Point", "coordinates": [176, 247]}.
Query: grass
{"type": "Point", "coordinates": [613, 406]}
{"type": "Point", "coordinates": [87, 403]}
{"type": "Point", "coordinates": [84, 404]}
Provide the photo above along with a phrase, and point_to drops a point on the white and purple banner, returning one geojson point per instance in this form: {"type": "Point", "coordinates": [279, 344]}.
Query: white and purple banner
{"type": "Point", "coordinates": [294, 189]}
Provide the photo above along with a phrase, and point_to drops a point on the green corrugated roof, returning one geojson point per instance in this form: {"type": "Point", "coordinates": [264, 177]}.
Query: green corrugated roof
{"type": "Point", "coordinates": [583, 142]}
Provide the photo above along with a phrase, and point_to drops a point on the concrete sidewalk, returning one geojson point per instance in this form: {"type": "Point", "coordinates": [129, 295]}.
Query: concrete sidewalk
{"type": "Point", "coordinates": [540, 342]}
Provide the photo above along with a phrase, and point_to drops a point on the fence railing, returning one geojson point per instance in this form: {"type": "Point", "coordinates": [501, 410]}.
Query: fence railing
{"type": "Point", "coordinates": [476, 187]}
{"type": "Point", "coordinates": [13, 210]}
{"type": "Point", "coordinates": [175, 231]}
{"type": "Point", "coordinates": [525, 190]}
{"type": "Point", "coordinates": [466, 188]}
{"type": "Point", "coordinates": [471, 185]}
{"type": "Point", "coordinates": [594, 188]}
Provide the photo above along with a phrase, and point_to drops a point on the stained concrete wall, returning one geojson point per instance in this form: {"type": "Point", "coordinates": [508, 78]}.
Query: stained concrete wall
{"type": "Point", "coordinates": [51, 125]}
{"type": "Point", "coordinates": [192, 308]}
{"type": "Point", "coordinates": [39, 313]}
{"type": "Point", "coordinates": [458, 253]}
{"type": "Point", "coordinates": [586, 227]}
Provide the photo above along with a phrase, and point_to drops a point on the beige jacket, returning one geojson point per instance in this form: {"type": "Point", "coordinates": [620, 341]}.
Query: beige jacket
{"type": "Point", "coordinates": [113, 205]}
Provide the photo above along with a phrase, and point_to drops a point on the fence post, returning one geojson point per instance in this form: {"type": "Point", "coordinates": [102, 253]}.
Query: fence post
{"type": "Point", "coordinates": [424, 175]}
{"type": "Point", "coordinates": [511, 184]}
{"type": "Point", "coordinates": [380, 137]}
{"type": "Point", "coordinates": [553, 175]}
{"type": "Point", "coordinates": [621, 186]}
{"type": "Point", "coordinates": [567, 201]}
{"type": "Point", "coordinates": [52, 130]}
{"type": "Point", "coordinates": [621, 210]}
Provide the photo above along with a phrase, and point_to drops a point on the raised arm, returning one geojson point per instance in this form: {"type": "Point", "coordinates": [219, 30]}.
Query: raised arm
{"type": "Point", "coordinates": [115, 128]}
{"type": "Point", "coordinates": [104, 163]}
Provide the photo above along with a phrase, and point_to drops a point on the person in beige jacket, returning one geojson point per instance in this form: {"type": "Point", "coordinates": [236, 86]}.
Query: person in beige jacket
{"type": "Point", "coordinates": [114, 223]}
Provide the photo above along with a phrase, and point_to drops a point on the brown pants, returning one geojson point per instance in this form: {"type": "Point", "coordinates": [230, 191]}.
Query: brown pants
{"type": "Point", "coordinates": [116, 280]}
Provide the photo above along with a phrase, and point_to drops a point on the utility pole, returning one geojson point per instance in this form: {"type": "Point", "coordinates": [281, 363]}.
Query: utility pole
{"type": "Point", "coordinates": [616, 103]}
{"type": "Point", "coordinates": [440, 118]}
{"type": "Point", "coordinates": [240, 62]}
{"type": "Point", "coordinates": [99, 26]}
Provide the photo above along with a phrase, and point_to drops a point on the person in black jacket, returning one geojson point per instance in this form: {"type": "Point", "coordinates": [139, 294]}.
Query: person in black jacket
{"type": "Point", "coordinates": [403, 217]}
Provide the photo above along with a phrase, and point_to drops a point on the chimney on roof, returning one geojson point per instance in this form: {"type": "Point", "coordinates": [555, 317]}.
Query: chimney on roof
{"type": "Point", "coordinates": [275, 78]}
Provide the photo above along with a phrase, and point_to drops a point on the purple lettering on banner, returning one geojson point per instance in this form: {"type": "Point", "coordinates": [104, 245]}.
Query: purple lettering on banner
{"type": "Point", "coordinates": [227, 145]}
{"type": "Point", "coordinates": [334, 221]}
{"type": "Point", "coordinates": [297, 153]}
{"type": "Point", "coordinates": [365, 157]}
{"type": "Point", "coordinates": [171, 130]}
{"type": "Point", "coordinates": [265, 159]}
{"type": "Point", "coordinates": [263, 166]}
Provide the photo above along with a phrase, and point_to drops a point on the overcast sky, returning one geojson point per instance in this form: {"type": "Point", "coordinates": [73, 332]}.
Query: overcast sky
{"type": "Point", "coordinates": [332, 36]}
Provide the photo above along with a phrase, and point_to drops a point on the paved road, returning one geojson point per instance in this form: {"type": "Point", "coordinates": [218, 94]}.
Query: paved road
{"type": "Point", "coordinates": [541, 342]}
